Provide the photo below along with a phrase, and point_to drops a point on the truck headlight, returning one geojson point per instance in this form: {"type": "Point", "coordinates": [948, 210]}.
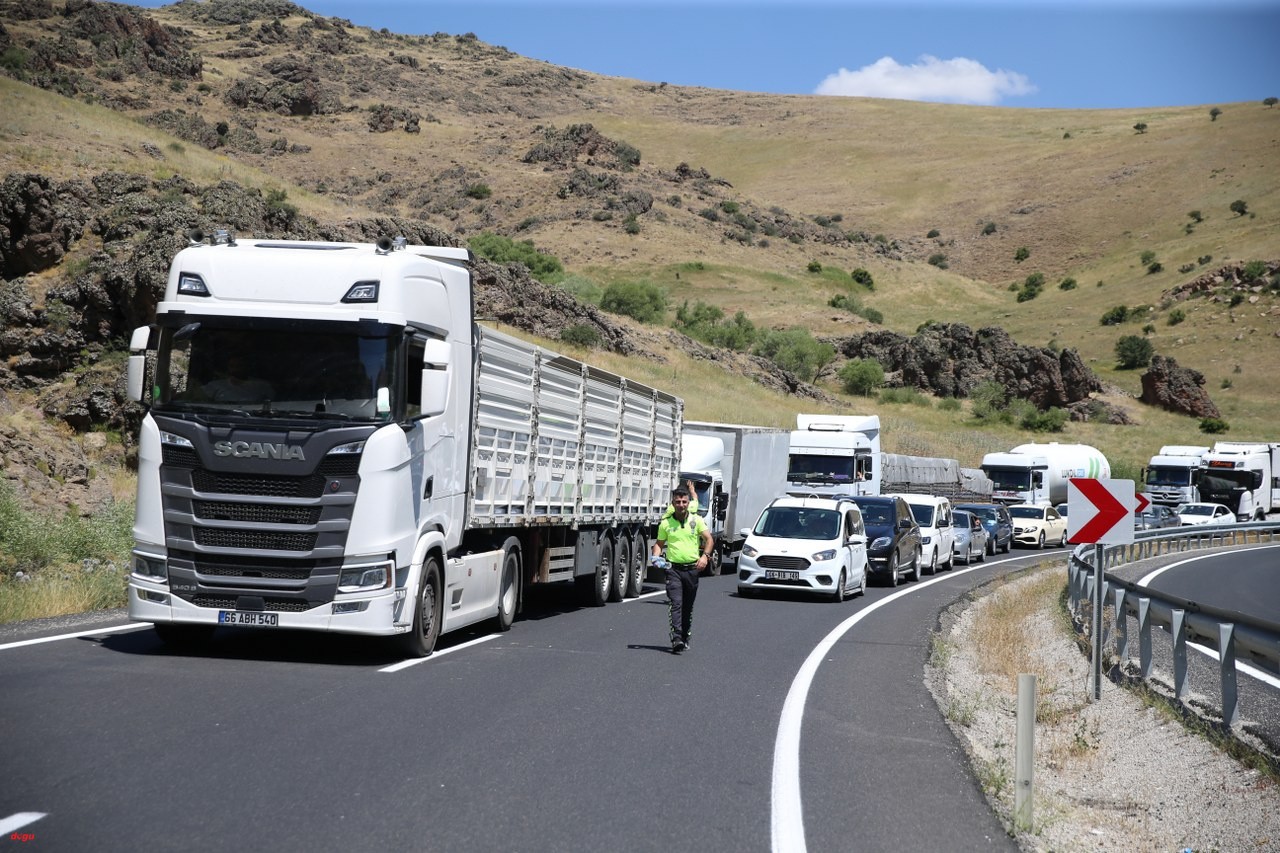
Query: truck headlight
{"type": "Point", "coordinates": [150, 567]}
{"type": "Point", "coordinates": [365, 578]}
{"type": "Point", "coordinates": [823, 556]}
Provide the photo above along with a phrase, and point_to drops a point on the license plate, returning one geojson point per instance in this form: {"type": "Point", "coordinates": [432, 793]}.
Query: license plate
{"type": "Point", "coordinates": [781, 575]}
{"type": "Point", "coordinates": [239, 617]}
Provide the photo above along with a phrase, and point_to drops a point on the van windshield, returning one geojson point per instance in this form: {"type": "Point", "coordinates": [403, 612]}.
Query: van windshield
{"type": "Point", "coordinates": [923, 514]}
{"type": "Point", "coordinates": [794, 522]}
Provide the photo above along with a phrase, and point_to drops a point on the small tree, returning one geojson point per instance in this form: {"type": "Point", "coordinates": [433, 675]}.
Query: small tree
{"type": "Point", "coordinates": [1240, 208]}
{"type": "Point", "coordinates": [1270, 102]}
{"type": "Point", "coordinates": [861, 376]}
{"type": "Point", "coordinates": [1196, 216]}
{"type": "Point", "coordinates": [1115, 316]}
{"type": "Point", "coordinates": [815, 266]}
{"type": "Point", "coordinates": [1133, 351]}
{"type": "Point", "coordinates": [988, 400]}
{"type": "Point", "coordinates": [1147, 257]}
{"type": "Point", "coordinates": [644, 302]}
{"type": "Point", "coordinates": [1214, 113]}
{"type": "Point", "coordinates": [933, 232]}
{"type": "Point", "coordinates": [862, 277]}
{"type": "Point", "coordinates": [1214, 426]}
{"type": "Point", "coordinates": [1141, 127]}
{"type": "Point", "coordinates": [1022, 254]}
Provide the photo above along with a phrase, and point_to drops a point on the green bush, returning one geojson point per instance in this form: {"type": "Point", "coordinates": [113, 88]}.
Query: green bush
{"type": "Point", "coordinates": [1115, 316]}
{"type": "Point", "coordinates": [1196, 216]}
{"type": "Point", "coordinates": [903, 396]}
{"type": "Point", "coordinates": [795, 350]}
{"type": "Point", "coordinates": [949, 404]}
{"type": "Point", "coordinates": [989, 228]}
{"type": "Point", "coordinates": [1214, 426]}
{"type": "Point", "coordinates": [582, 288]}
{"type": "Point", "coordinates": [504, 250]}
{"type": "Point", "coordinates": [1031, 287]}
{"type": "Point", "coordinates": [1133, 351]}
{"type": "Point", "coordinates": [1022, 254]}
{"type": "Point", "coordinates": [1147, 257]}
{"type": "Point", "coordinates": [862, 277]}
{"type": "Point", "coordinates": [639, 300]}
{"type": "Point", "coordinates": [814, 266]}
{"type": "Point", "coordinates": [933, 232]}
{"type": "Point", "coordinates": [1239, 208]}
{"type": "Point", "coordinates": [581, 335]}
{"type": "Point", "coordinates": [988, 400]}
{"type": "Point", "coordinates": [1253, 271]}
{"type": "Point", "coordinates": [861, 376]}
{"type": "Point", "coordinates": [631, 225]}
{"type": "Point", "coordinates": [1176, 316]}
{"type": "Point", "coordinates": [1067, 284]}
{"type": "Point", "coordinates": [729, 206]}
{"type": "Point", "coordinates": [1154, 268]}
{"type": "Point", "coordinates": [478, 191]}
{"type": "Point", "coordinates": [938, 260]}
{"type": "Point", "coordinates": [627, 154]}
{"type": "Point", "coordinates": [853, 305]}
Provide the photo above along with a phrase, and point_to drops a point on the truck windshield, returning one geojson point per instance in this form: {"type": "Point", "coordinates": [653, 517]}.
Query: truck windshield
{"type": "Point", "coordinates": [1168, 476]}
{"type": "Point", "coordinates": [807, 468]}
{"type": "Point", "coordinates": [1010, 479]}
{"type": "Point", "coordinates": [344, 371]}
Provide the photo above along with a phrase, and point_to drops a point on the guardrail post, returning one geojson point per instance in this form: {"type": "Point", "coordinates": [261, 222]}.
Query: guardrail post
{"type": "Point", "coordinates": [1122, 627]}
{"type": "Point", "coordinates": [1095, 630]}
{"type": "Point", "coordinates": [1025, 750]}
{"type": "Point", "coordinates": [1144, 637]}
{"type": "Point", "coordinates": [1179, 631]}
{"type": "Point", "coordinates": [1227, 671]}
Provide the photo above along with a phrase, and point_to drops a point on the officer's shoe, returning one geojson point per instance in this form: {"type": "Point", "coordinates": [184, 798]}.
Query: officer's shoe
{"type": "Point", "coordinates": [678, 646]}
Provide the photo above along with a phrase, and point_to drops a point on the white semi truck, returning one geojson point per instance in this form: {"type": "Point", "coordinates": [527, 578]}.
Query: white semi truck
{"type": "Point", "coordinates": [1243, 476]}
{"type": "Point", "coordinates": [1039, 473]}
{"type": "Point", "coordinates": [333, 443]}
{"type": "Point", "coordinates": [736, 470]}
{"type": "Point", "coordinates": [1172, 476]}
{"type": "Point", "coordinates": [834, 455]}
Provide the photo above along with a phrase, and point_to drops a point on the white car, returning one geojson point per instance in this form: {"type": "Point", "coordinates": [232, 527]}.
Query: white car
{"type": "Point", "coordinates": [1201, 513]}
{"type": "Point", "coordinates": [807, 545]}
{"type": "Point", "coordinates": [1036, 525]}
{"type": "Point", "coordinates": [937, 537]}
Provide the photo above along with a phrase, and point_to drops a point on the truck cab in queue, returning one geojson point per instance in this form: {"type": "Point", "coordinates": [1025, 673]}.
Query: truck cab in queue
{"type": "Point", "coordinates": [333, 443]}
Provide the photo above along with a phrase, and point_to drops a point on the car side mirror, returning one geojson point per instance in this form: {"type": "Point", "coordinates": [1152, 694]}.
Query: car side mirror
{"type": "Point", "coordinates": [904, 523]}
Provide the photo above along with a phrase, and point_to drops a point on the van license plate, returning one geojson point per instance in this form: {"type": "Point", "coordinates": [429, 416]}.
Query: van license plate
{"type": "Point", "coordinates": [239, 617]}
{"type": "Point", "coordinates": [781, 575]}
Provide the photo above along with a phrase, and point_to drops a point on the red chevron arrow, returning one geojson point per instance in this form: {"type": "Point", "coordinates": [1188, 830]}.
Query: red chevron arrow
{"type": "Point", "coordinates": [1110, 510]}
{"type": "Point", "coordinates": [1143, 503]}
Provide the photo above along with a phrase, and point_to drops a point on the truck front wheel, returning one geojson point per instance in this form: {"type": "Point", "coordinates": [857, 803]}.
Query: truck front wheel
{"type": "Point", "coordinates": [421, 640]}
{"type": "Point", "coordinates": [509, 589]}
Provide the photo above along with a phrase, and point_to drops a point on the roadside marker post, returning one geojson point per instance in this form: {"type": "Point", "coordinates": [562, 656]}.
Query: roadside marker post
{"type": "Point", "coordinates": [1101, 514]}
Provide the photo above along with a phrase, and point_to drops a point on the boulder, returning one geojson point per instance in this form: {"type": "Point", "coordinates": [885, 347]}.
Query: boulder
{"type": "Point", "coordinates": [1176, 389]}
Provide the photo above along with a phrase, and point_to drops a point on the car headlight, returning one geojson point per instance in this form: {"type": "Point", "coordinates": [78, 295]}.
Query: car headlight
{"type": "Point", "coordinates": [881, 542]}
{"type": "Point", "coordinates": [822, 556]}
{"type": "Point", "coordinates": [365, 578]}
{"type": "Point", "coordinates": [748, 551]}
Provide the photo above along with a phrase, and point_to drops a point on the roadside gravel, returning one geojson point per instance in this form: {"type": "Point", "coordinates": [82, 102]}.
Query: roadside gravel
{"type": "Point", "coordinates": [1113, 775]}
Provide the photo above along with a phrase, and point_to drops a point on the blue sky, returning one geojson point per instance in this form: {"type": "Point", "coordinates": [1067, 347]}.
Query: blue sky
{"type": "Point", "coordinates": [1088, 54]}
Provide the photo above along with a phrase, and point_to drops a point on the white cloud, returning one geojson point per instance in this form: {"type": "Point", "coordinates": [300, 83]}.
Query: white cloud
{"type": "Point", "coordinates": [959, 81]}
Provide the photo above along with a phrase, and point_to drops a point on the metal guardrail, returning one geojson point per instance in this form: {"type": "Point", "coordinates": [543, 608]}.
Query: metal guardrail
{"type": "Point", "coordinates": [1231, 634]}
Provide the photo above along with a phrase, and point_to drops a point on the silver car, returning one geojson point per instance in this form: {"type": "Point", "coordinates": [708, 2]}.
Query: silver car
{"type": "Point", "coordinates": [970, 537]}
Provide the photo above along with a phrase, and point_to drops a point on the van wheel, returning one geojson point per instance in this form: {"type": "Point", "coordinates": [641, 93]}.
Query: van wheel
{"type": "Point", "coordinates": [838, 595]}
{"type": "Point", "coordinates": [933, 564]}
{"type": "Point", "coordinates": [421, 640]}
{"type": "Point", "coordinates": [914, 577]}
{"type": "Point", "coordinates": [509, 584]}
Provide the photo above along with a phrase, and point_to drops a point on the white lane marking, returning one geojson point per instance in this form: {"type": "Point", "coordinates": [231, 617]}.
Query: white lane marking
{"type": "Point", "coordinates": [405, 664]}
{"type": "Point", "coordinates": [16, 821]}
{"type": "Point", "coordinates": [1241, 666]}
{"type": "Point", "coordinates": [787, 813]}
{"type": "Point", "coordinates": [133, 626]}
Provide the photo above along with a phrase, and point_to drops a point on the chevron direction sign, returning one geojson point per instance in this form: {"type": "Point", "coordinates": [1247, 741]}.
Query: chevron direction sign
{"type": "Point", "coordinates": [1102, 511]}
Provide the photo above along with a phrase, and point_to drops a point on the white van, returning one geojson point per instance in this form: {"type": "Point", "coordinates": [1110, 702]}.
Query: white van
{"type": "Point", "coordinates": [937, 537]}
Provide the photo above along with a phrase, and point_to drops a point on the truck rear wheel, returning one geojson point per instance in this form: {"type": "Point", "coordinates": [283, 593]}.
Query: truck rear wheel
{"type": "Point", "coordinates": [595, 586]}
{"type": "Point", "coordinates": [509, 584]}
{"type": "Point", "coordinates": [421, 639]}
{"type": "Point", "coordinates": [618, 568]}
{"type": "Point", "coordinates": [635, 569]}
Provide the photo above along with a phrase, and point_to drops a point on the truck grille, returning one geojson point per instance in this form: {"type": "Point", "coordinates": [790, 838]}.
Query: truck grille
{"type": "Point", "coordinates": [264, 540]}
{"type": "Point", "coordinates": [228, 602]}
{"type": "Point", "coordinates": [258, 513]}
{"type": "Point", "coordinates": [311, 486]}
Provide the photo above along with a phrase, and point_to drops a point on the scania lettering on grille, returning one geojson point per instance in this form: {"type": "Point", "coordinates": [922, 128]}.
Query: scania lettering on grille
{"type": "Point", "coordinates": [257, 450]}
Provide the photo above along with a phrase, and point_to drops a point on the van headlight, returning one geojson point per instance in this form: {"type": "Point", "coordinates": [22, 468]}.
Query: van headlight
{"type": "Point", "coordinates": [748, 551]}
{"type": "Point", "coordinates": [365, 578]}
{"type": "Point", "coordinates": [823, 556]}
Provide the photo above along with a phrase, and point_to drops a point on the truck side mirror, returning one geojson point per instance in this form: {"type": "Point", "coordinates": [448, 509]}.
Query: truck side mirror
{"type": "Point", "coordinates": [137, 367]}
{"type": "Point", "coordinates": [722, 506]}
{"type": "Point", "coordinates": [435, 377]}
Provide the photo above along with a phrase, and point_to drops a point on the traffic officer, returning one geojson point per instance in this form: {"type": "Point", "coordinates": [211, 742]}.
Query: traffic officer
{"type": "Point", "coordinates": [688, 544]}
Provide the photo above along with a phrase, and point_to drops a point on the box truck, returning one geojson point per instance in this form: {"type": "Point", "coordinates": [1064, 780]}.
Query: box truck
{"type": "Point", "coordinates": [834, 455]}
{"type": "Point", "coordinates": [333, 443]}
{"type": "Point", "coordinates": [1172, 475]}
{"type": "Point", "coordinates": [1243, 476]}
{"type": "Point", "coordinates": [1038, 473]}
{"type": "Point", "coordinates": [736, 470]}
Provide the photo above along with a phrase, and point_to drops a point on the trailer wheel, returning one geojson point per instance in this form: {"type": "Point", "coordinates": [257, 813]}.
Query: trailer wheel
{"type": "Point", "coordinates": [618, 568]}
{"type": "Point", "coordinates": [421, 640]}
{"type": "Point", "coordinates": [509, 589]}
{"type": "Point", "coordinates": [595, 587]}
{"type": "Point", "coordinates": [635, 569]}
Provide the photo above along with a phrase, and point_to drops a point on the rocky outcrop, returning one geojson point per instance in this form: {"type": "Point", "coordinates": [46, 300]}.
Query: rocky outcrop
{"type": "Point", "coordinates": [38, 221]}
{"type": "Point", "coordinates": [1177, 389]}
{"type": "Point", "coordinates": [951, 359]}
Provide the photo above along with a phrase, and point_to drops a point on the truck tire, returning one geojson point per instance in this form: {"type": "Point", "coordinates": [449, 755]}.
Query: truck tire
{"type": "Point", "coordinates": [595, 586]}
{"type": "Point", "coordinates": [714, 562]}
{"type": "Point", "coordinates": [421, 639]}
{"type": "Point", "coordinates": [618, 568]}
{"type": "Point", "coordinates": [183, 636]}
{"type": "Point", "coordinates": [639, 558]}
{"type": "Point", "coordinates": [509, 584]}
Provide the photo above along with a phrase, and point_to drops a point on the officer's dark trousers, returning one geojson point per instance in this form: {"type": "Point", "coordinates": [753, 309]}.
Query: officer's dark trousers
{"type": "Point", "coordinates": [682, 589]}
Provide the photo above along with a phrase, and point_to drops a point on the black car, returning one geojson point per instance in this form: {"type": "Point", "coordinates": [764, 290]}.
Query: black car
{"type": "Point", "coordinates": [999, 524]}
{"type": "Point", "coordinates": [1155, 517]}
{"type": "Point", "coordinates": [893, 538]}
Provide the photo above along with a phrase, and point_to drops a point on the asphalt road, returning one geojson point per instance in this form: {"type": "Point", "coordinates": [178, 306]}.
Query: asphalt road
{"type": "Point", "coordinates": [575, 731]}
